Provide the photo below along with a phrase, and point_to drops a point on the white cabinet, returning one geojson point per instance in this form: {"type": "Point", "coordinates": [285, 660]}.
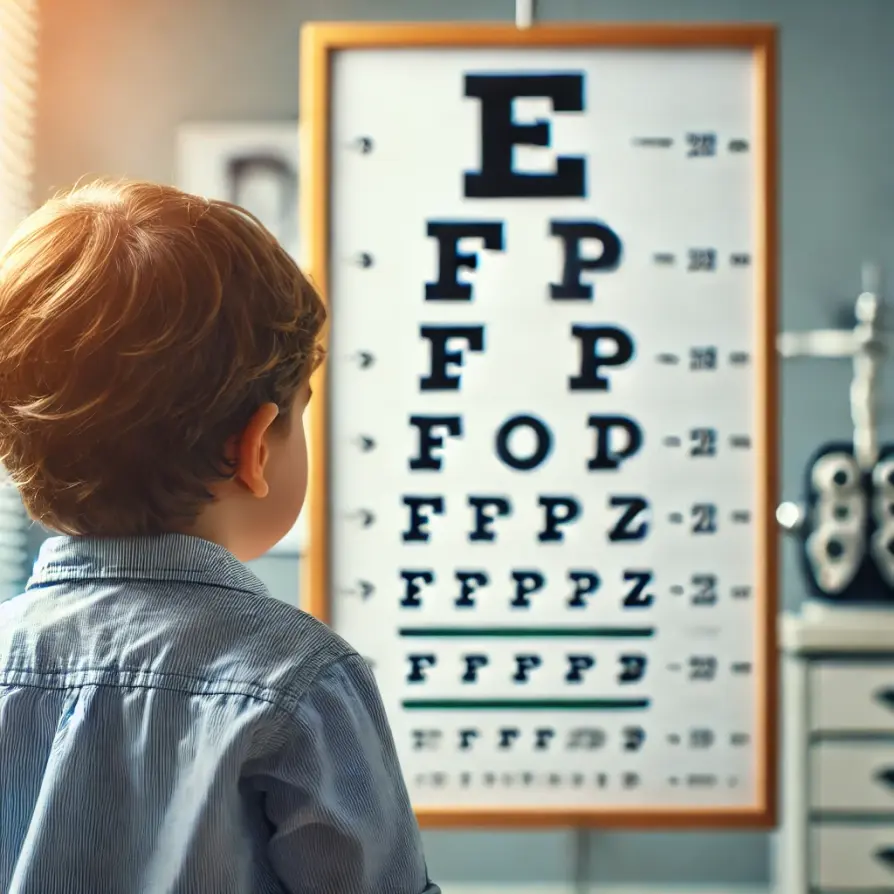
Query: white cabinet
{"type": "Point", "coordinates": [837, 805]}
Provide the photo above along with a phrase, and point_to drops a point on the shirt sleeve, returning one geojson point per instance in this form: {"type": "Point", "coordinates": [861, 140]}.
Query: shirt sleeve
{"type": "Point", "coordinates": [336, 799]}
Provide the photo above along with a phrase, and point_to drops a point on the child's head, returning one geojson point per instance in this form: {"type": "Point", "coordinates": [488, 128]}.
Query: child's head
{"type": "Point", "coordinates": [155, 351]}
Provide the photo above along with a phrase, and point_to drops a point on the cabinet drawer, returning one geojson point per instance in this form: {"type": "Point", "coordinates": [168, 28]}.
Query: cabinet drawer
{"type": "Point", "coordinates": [852, 777]}
{"type": "Point", "coordinates": [852, 858]}
{"type": "Point", "coordinates": [858, 697]}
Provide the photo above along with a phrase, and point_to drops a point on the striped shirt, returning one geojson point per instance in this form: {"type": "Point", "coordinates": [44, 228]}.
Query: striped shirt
{"type": "Point", "coordinates": [166, 727]}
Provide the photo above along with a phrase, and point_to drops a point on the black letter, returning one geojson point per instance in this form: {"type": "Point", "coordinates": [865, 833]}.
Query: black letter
{"type": "Point", "coordinates": [552, 520]}
{"type": "Point", "coordinates": [425, 739]}
{"type": "Point", "coordinates": [418, 663]}
{"type": "Point", "coordinates": [632, 506]}
{"type": "Point", "coordinates": [588, 379]}
{"type": "Point", "coordinates": [636, 596]}
{"type": "Point", "coordinates": [577, 664]}
{"type": "Point", "coordinates": [466, 737]}
{"type": "Point", "coordinates": [467, 581]}
{"type": "Point", "coordinates": [448, 287]}
{"type": "Point", "coordinates": [588, 737]}
{"type": "Point", "coordinates": [585, 583]}
{"type": "Point", "coordinates": [417, 530]}
{"type": "Point", "coordinates": [526, 582]}
{"type": "Point", "coordinates": [473, 664]}
{"type": "Point", "coordinates": [540, 452]}
{"type": "Point", "coordinates": [634, 736]}
{"type": "Point", "coordinates": [508, 735]}
{"type": "Point", "coordinates": [411, 596]}
{"type": "Point", "coordinates": [571, 232]}
{"type": "Point", "coordinates": [542, 737]}
{"type": "Point", "coordinates": [500, 135]}
{"type": "Point", "coordinates": [633, 667]}
{"type": "Point", "coordinates": [605, 457]}
{"type": "Point", "coordinates": [483, 520]}
{"type": "Point", "coordinates": [439, 379]}
{"type": "Point", "coordinates": [525, 664]}
{"type": "Point", "coordinates": [428, 441]}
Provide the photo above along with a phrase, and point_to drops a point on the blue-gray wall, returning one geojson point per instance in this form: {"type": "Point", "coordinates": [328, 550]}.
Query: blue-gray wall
{"type": "Point", "coordinates": [118, 77]}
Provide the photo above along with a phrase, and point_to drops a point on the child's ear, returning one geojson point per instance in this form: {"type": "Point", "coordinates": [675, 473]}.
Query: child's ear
{"type": "Point", "coordinates": [252, 450]}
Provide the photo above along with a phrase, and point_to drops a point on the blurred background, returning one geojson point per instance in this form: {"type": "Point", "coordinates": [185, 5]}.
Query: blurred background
{"type": "Point", "coordinates": [141, 88]}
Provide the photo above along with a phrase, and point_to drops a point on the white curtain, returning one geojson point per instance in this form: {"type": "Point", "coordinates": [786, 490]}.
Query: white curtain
{"type": "Point", "coordinates": [18, 77]}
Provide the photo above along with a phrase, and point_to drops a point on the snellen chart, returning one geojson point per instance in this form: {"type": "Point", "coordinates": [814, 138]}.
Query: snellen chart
{"type": "Point", "coordinates": [546, 516]}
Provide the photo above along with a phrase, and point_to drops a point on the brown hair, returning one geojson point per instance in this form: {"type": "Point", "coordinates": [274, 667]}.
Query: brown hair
{"type": "Point", "coordinates": [140, 329]}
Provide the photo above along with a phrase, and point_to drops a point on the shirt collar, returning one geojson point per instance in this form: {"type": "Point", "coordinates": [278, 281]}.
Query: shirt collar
{"type": "Point", "coordinates": [165, 557]}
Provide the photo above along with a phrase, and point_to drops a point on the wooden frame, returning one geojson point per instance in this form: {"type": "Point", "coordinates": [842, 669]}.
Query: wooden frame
{"type": "Point", "coordinates": [319, 41]}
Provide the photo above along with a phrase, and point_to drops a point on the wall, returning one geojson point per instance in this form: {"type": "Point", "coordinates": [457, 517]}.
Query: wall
{"type": "Point", "coordinates": [118, 77]}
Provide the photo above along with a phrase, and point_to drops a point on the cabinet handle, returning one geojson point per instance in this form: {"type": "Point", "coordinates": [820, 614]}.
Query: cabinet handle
{"type": "Point", "coordinates": [886, 776]}
{"type": "Point", "coordinates": [885, 696]}
{"type": "Point", "coordinates": [885, 855]}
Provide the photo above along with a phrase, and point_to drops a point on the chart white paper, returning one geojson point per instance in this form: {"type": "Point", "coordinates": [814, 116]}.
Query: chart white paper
{"type": "Point", "coordinates": [543, 406]}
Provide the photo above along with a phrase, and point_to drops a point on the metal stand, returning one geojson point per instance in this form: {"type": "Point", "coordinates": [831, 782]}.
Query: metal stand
{"type": "Point", "coordinates": [866, 345]}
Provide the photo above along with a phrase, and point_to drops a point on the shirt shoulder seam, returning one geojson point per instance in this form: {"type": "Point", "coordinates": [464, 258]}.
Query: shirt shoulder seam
{"type": "Point", "coordinates": [280, 697]}
{"type": "Point", "coordinates": [296, 698]}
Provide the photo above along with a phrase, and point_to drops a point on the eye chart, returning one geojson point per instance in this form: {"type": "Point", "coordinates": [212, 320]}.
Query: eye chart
{"type": "Point", "coordinates": [542, 505]}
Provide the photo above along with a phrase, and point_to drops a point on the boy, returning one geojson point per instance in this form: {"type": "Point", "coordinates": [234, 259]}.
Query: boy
{"type": "Point", "coordinates": [165, 725]}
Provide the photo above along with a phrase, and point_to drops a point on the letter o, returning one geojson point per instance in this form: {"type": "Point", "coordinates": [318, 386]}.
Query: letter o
{"type": "Point", "coordinates": [542, 450]}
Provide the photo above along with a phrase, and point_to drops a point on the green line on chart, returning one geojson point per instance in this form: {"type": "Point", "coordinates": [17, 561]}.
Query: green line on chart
{"type": "Point", "coordinates": [525, 704]}
{"type": "Point", "coordinates": [529, 632]}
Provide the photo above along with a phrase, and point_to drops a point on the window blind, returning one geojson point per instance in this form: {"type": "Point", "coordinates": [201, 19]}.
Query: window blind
{"type": "Point", "coordinates": [18, 86]}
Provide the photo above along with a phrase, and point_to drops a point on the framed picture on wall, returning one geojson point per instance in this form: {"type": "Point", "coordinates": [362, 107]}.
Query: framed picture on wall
{"type": "Point", "coordinates": [254, 165]}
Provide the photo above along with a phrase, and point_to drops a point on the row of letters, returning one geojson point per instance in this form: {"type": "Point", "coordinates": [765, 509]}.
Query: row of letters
{"type": "Point", "coordinates": [632, 516]}
{"type": "Point", "coordinates": [571, 233]}
{"type": "Point", "coordinates": [584, 583]}
{"type": "Point", "coordinates": [617, 439]}
{"type": "Point", "coordinates": [521, 667]}
{"type": "Point", "coordinates": [633, 588]}
{"type": "Point", "coordinates": [628, 780]}
{"type": "Point", "coordinates": [601, 346]}
{"type": "Point", "coordinates": [630, 738]}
